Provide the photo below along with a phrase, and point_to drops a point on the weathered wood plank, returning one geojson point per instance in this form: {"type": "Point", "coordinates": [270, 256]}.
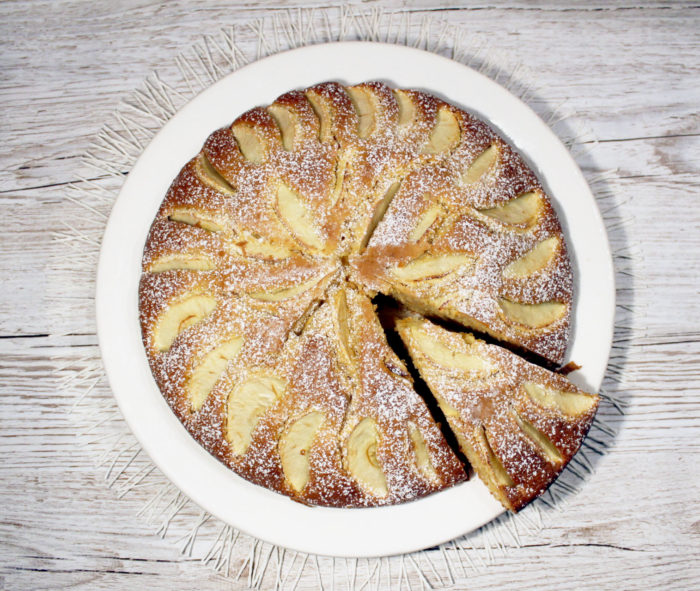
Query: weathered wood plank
{"type": "Point", "coordinates": [628, 69]}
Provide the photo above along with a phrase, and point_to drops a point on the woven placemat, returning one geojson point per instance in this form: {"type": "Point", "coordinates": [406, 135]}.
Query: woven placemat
{"type": "Point", "coordinates": [126, 468]}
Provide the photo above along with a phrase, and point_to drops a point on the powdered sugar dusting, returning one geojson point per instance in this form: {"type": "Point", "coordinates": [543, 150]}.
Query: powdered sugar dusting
{"type": "Point", "coordinates": [279, 294]}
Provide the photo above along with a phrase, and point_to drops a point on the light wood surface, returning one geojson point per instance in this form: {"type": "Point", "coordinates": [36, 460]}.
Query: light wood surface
{"type": "Point", "coordinates": [631, 71]}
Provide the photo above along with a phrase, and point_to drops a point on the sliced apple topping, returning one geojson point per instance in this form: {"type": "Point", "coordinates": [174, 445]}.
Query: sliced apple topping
{"type": "Point", "coordinates": [432, 266]}
{"type": "Point", "coordinates": [363, 101]}
{"type": "Point", "coordinates": [420, 450]}
{"type": "Point", "coordinates": [534, 260]}
{"type": "Point", "coordinates": [448, 357]}
{"type": "Point", "coordinates": [211, 177]}
{"type": "Point", "coordinates": [194, 218]}
{"type": "Point", "coordinates": [323, 113]}
{"type": "Point", "coordinates": [207, 373]}
{"type": "Point", "coordinates": [247, 403]}
{"type": "Point", "coordinates": [258, 248]}
{"type": "Point", "coordinates": [179, 316]}
{"type": "Point", "coordinates": [340, 167]}
{"type": "Point", "coordinates": [286, 123]}
{"type": "Point", "coordinates": [340, 305]}
{"type": "Point", "coordinates": [284, 293]}
{"type": "Point", "coordinates": [501, 477]}
{"type": "Point", "coordinates": [184, 262]}
{"type": "Point", "coordinates": [426, 220]}
{"type": "Point", "coordinates": [297, 216]}
{"type": "Point", "coordinates": [551, 453]}
{"type": "Point", "coordinates": [407, 110]}
{"type": "Point", "coordinates": [445, 135]}
{"type": "Point", "coordinates": [481, 164]}
{"type": "Point", "coordinates": [521, 211]}
{"type": "Point", "coordinates": [251, 145]}
{"type": "Point", "coordinates": [294, 448]}
{"type": "Point", "coordinates": [362, 458]}
{"type": "Point", "coordinates": [569, 403]}
{"type": "Point", "coordinates": [379, 212]}
{"type": "Point", "coordinates": [533, 315]}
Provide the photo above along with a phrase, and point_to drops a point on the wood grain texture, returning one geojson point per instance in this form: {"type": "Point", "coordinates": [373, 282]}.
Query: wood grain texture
{"type": "Point", "coordinates": [630, 70]}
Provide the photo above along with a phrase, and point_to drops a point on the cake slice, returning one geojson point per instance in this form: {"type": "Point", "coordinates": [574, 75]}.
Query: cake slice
{"type": "Point", "coordinates": [518, 424]}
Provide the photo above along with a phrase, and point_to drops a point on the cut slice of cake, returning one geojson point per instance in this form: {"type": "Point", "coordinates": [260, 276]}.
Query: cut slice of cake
{"type": "Point", "coordinates": [517, 423]}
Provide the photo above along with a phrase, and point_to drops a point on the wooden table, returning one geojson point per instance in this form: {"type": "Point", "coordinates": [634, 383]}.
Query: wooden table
{"type": "Point", "coordinates": [631, 71]}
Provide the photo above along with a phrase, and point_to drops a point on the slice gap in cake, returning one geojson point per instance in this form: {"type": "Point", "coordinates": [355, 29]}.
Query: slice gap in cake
{"type": "Point", "coordinates": [519, 424]}
{"type": "Point", "coordinates": [389, 312]}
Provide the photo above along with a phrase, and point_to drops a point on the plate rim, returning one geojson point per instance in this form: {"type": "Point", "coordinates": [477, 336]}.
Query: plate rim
{"type": "Point", "coordinates": [324, 540]}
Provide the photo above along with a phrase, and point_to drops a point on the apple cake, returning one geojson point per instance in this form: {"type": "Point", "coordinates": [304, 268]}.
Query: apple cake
{"type": "Point", "coordinates": [261, 278]}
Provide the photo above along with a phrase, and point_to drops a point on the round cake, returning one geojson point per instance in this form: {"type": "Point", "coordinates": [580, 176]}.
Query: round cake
{"type": "Point", "coordinates": [269, 264]}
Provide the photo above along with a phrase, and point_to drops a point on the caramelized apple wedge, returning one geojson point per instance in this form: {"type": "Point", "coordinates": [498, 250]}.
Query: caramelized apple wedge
{"type": "Point", "coordinates": [362, 458]}
{"type": "Point", "coordinates": [432, 266]}
{"type": "Point", "coordinates": [247, 403]}
{"type": "Point", "coordinates": [179, 316]}
{"type": "Point", "coordinates": [445, 134]}
{"type": "Point", "coordinates": [298, 218]}
{"type": "Point", "coordinates": [294, 448]}
{"type": "Point", "coordinates": [205, 375]}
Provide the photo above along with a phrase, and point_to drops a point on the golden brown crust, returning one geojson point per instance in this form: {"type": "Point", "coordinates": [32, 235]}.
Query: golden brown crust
{"type": "Point", "coordinates": [257, 273]}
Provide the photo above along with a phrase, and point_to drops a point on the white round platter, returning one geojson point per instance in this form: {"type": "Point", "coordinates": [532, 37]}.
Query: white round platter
{"type": "Point", "coordinates": [252, 509]}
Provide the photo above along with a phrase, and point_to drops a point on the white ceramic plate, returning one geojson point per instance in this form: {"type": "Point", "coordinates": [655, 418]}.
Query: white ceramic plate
{"type": "Point", "coordinates": [252, 509]}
